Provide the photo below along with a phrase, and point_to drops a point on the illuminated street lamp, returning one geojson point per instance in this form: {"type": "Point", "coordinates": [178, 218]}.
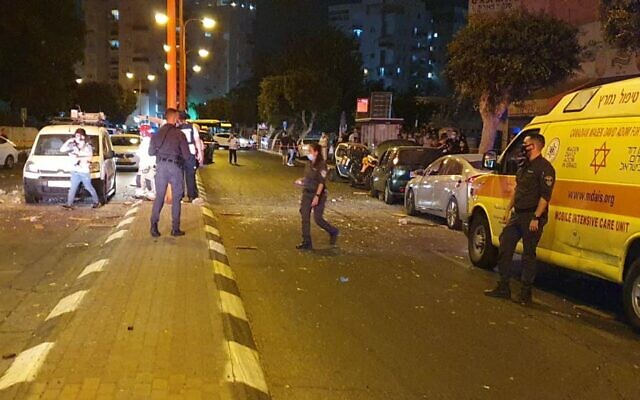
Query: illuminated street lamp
{"type": "Point", "coordinates": [161, 18]}
{"type": "Point", "coordinates": [167, 66]}
{"type": "Point", "coordinates": [203, 53]}
{"type": "Point", "coordinates": [196, 68]}
{"type": "Point", "coordinates": [79, 81]}
{"type": "Point", "coordinates": [129, 75]}
{"type": "Point", "coordinates": [208, 23]}
{"type": "Point", "coordinates": [166, 48]}
{"type": "Point", "coordinates": [151, 77]}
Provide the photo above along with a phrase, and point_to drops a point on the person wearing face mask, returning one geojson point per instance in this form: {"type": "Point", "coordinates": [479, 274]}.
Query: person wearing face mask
{"type": "Point", "coordinates": [81, 152]}
{"type": "Point", "coordinates": [314, 198]}
{"type": "Point", "coordinates": [526, 216]}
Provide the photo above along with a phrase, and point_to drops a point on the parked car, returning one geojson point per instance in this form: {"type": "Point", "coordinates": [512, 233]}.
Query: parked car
{"type": "Point", "coordinates": [47, 170]}
{"type": "Point", "coordinates": [382, 147]}
{"type": "Point", "coordinates": [442, 189]}
{"type": "Point", "coordinates": [8, 153]}
{"type": "Point", "coordinates": [393, 171]}
{"type": "Point", "coordinates": [126, 148]}
{"type": "Point", "coordinates": [344, 155]}
{"type": "Point", "coordinates": [303, 145]}
{"type": "Point", "coordinates": [209, 146]}
{"type": "Point", "coordinates": [245, 143]}
{"type": "Point", "coordinates": [222, 140]}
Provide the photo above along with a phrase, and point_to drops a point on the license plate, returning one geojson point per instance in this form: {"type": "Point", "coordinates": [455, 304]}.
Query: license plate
{"type": "Point", "coordinates": [59, 184]}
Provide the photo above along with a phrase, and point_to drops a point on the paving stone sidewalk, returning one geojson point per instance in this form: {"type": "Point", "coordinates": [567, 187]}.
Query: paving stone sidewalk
{"type": "Point", "coordinates": [150, 325]}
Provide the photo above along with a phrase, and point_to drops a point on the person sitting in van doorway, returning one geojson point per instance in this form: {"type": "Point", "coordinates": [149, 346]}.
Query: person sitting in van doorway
{"type": "Point", "coordinates": [526, 216]}
{"type": "Point", "coordinates": [81, 152]}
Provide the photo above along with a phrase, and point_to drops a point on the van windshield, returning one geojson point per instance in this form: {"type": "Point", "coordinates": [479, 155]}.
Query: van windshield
{"type": "Point", "coordinates": [49, 145]}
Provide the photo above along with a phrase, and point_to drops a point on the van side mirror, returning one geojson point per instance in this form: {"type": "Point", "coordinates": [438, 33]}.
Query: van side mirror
{"type": "Point", "coordinates": [490, 160]}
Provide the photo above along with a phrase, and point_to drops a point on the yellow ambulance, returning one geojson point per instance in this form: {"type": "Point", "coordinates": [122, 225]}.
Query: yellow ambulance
{"type": "Point", "coordinates": [593, 141]}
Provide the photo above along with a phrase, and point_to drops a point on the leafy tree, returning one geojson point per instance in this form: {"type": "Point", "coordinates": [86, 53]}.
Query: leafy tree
{"type": "Point", "coordinates": [272, 102]}
{"type": "Point", "coordinates": [115, 102]}
{"type": "Point", "coordinates": [502, 58]}
{"type": "Point", "coordinates": [41, 42]}
{"type": "Point", "coordinates": [621, 23]}
{"type": "Point", "coordinates": [217, 108]}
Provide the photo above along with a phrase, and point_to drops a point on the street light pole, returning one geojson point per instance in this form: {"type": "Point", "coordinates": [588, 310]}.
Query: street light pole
{"type": "Point", "coordinates": [172, 71]}
{"type": "Point", "coordinates": [183, 57]}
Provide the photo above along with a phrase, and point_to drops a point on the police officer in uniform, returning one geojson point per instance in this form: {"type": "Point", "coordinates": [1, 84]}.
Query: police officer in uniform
{"type": "Point", "coordinates": [170, 148]}
{"type": "Point", "coordinates": [526, 216]}
{"type": "Point", "coordinates": [314, 197]}
{"type": "Point", "coordinates": [195, 158]}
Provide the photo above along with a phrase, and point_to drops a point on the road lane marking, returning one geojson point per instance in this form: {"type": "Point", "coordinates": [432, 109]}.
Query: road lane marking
{"type": "Point", "coordinates": [116, 235]}
{"type": "Point", "coordinates": [26, 366]}
{"type": "Point", "coordinates": [124, 222]}
{"type": "Point", "coordinates": [232, 305]}
{"type": "Point", "coordinates": [67, 304]}
{"type": "Point", "coordinates": [206, 211]}
{"type": "Point", "coordinates": [245, 367]}
{"type": "Point", "coordinates": [223, 270]}
{"type": "Point", "coordinates": [131, 212]}
{"type": "Point", "coordinates": [217, 247]}
{"type": "Point", "coordinates": [97, 266]}
{"type": "Point", "coordinates": [210, 229]}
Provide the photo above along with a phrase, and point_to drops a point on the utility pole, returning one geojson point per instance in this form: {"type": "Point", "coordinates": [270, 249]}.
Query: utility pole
{"type": "Point", "coordinates": [172, 72]}
{"type": "Point", "coordinates": [182, 102]}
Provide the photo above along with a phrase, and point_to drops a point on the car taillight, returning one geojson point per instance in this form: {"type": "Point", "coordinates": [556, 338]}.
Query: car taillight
{"type": "Point", "coordinates": [94, 167]}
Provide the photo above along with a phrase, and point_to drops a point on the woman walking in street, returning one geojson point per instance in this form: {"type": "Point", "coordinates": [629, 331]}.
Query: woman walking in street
{"type": "Point", "coordinates": [233, 149]}
{"type": "Point", "coordinates": [314, 198]}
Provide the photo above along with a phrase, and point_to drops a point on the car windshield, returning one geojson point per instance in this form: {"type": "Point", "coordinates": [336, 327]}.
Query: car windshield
{"type": "Point", "coordinates": [49, 145]}
{"type": "Point", "coordinates": [477, 164]}
{"type": "Point", "coordinates": [125, 141]}
{"type": "Point", "coordinates": [414, 157]}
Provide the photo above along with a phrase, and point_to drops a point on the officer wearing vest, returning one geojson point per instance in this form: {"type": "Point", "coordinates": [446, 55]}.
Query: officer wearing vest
{"type": "Point", "coordinates": [527, 214]}
{"type": "Point", "coordinates": [196, 150]}
{"type": "Point", "coordinates": [170, 148]}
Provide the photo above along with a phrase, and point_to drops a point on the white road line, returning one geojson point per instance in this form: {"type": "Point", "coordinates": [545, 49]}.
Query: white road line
{"type": "Point", "coordinates": [116, 235]}
{"type": "Point", "coordinates": [245, 367]}
{"type": "Point", "coordinates": [93, 267]}
{"type": "Point", "coordinates": [223, 269]}
{"type": "Point", "coordinates": [26, 366]}
{"type": "Point", "coordinates": [210, 229]}
{"type": "Point", "coordinates": [68, 304]}
{"type": "Point", "coordinates": [131, 212]}
{"type": "Point", "coordinates": [217, 247]}
{"type": "Point", "coordinates": [125, 222]}
{"type": "Point", "coordinates": [232, 304]}
{"type": "Point", "coordinates": [206, 211]}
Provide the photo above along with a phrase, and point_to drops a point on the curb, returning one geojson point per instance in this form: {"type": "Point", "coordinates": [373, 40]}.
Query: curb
{"type": "Point", "coordinates": [244, 371]}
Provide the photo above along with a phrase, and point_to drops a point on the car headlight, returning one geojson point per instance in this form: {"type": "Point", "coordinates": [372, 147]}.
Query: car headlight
{"type": "Point", "coordinates": [30, 166]}
{"type": "Point", "coordinates": [94, 167]}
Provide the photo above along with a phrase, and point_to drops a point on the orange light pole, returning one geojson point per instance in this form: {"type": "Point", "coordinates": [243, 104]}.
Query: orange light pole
{"type": "Point", "coordinates": [172, 71]}
{"type": "Point", "coordinates": [182, 91]}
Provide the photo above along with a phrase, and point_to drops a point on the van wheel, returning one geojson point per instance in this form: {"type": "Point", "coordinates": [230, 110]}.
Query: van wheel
{"type": "Point", "coordinates": [453, 215]}
{"type": "Point", "coordinates": [631, 295]}
{"type": "Point", "coordinates": [30, 198]}
{"type": "Point", "coordinates": [482, 252]}
{"type": "Point", "coordinates": [9, 163]}
{"type": "Point", "coordinates": [410, 203]}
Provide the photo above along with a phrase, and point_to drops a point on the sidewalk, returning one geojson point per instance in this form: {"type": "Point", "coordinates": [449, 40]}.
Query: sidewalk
{"type": "Point", "coordinates": [149, 325]}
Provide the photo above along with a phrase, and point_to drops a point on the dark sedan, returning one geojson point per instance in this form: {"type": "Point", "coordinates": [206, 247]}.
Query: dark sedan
{"type": "Point", "coordinates": [393, 171]}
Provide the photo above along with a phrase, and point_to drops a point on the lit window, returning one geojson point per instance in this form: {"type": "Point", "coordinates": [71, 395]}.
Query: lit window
{"type": "Point", "coordinates": [430, 62]}
{"type": "Point", "coordinates": [115, 44]}
{"type": "Point", "coordinates": [207, 34]}
{"type": "Point", "coordinates": [115, 14]}
{"type": "Point", "coordinates": [430, 48]}
{"type": "Point", "coordinates": [430, 75]}
{"type": "Point", "coordinates": [365, 71]}
{"type": "Point", "coordinates": [435, 35]}
{"type": "Point", "coordinates": [398, 70]}
{"type": "Point", "coordinates": [381, 71]}
{"type": "Point", "coordinates": [415, 30]}
{"type": "Point", "coordinates": [357, 32]}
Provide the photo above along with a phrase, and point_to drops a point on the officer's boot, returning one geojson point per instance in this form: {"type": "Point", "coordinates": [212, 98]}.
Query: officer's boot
{"type": "Point", "coordinates": [154, 230]}
{"type": "Point", "coordinates": [501, 291]}
{"type": "Point", "coordinates": [525, 298]}
{"type": "Point", "coordinates": [305, 245]}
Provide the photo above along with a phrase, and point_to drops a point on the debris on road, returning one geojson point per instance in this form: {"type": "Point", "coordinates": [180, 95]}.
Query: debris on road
{"type": "Point", "coordinates": [77, 244]}
{"type": "Point", "coordinates": [361, 193]}
{"type": "Point", "coordinates": [246, 247]}
{"type": "Point", "coordinates": [79, 219]}
{"type": "Point", "coordinates": [33, 218]}
{"type": "Point", "coordinates": [9, 356]}
{"type": "Point", "coordinates": [102, 225]}
{"type": "Point", "coordinates": [38, 227]}
{"type": "Point", "coordinates": [231, 214]}
{"type": "Point", "coordinates": [344, 279]}
{"type": "Point", "coordinates": [486, 387]}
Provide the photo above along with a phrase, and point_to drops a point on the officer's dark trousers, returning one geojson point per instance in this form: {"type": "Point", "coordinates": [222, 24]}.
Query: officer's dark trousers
{"type": "Point", "coordinates": [233, 156]}
{"type": "Point", "coordinates": [168, 174]}
{"type": "Point", "coordinates": [518, 228]}
{"type": "Point", "coordinates": [318, 215]}
{"type": "Point", "coordinates": [190, 176]}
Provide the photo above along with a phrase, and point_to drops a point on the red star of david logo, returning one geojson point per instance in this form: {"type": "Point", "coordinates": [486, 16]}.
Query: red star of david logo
{"type": "Point", "coordinates": [600, 157]}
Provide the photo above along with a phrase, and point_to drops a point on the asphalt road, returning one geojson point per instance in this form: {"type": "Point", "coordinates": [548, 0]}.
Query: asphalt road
{"type": "Point", "coordinates": [397, 312]}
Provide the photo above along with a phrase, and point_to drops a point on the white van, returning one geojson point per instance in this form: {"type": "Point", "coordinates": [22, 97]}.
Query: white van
{"type": "Point", "coordinates": [47, 170]}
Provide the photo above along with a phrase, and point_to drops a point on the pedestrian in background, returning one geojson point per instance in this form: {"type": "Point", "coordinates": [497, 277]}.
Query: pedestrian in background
{"type": "Point", "coordinates": [146, 168]}
{"type": "Point", "coordinates": [526, 216]}
{"type": "Point", "coordinates": [291, 150]}
{"type": "Point", "coordinates": [233, 149]}
{"type": "Point", "coordinates": [284, 148]}
{"type": "Point", "coordinates": [314, 198]}
{"type": "Point", "coordinates": [170, 148]}
{"type": "Point", "coordinates": [324, 143]}
{"type": "Point", "coordinates": [196, 157]}
{"type": "Point", "coordinates": [81, 153]}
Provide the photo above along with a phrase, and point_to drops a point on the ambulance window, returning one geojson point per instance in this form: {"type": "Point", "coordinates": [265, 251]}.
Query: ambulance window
{"type": "Point", "coordinates": [513, 155]}
{"type": "Point", "coordinates": [581, 99]}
